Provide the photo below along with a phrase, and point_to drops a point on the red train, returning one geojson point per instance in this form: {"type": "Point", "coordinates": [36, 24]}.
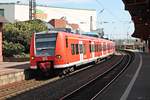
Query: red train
{"type": "Point", "coordinates": [55, 50]}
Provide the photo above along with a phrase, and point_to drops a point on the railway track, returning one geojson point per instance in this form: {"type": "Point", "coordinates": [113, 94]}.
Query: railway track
{"type": "Point", "coordinates": [13, 89]}
{"type": "Point", "coordinates": [33, 85]}
{"type": "Point", "coordinates": [16, 88]}
{"type": "Point", "coordinates": [94, 87]}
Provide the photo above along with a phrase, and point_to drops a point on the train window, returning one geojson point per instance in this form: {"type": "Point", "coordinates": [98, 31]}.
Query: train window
{"type": "Point", "coordinates": [72, 49]}
{"type": "Point", "coordinates": [110, 46]}
{"type": "Point", "coordinates": [90, 47]}
{"type": "Point", "coordinates": [93, 48]}
{"type": "Point", "coordinates": [45, 44]}
{"type": "Point", "coordinates": [84, 47]}
{"type": "Point", "coordinates": [96, 47]}
{"type": "Point", "coordinates": [100, 47]}
{"type": "Point", "coordinates": [104, 46]}
{"type": "Point", "coordinates": [66, 42]}
{"type": "Point", "coordinates": [81, 48]}
{"type": "Point", "coordinates": [40, 36]}
{"type": "Point", "coordinates": [77, 49]}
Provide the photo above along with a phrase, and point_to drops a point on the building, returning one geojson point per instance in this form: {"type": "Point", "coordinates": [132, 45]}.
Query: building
{"type": "Point", "coordinates": [85, 18]}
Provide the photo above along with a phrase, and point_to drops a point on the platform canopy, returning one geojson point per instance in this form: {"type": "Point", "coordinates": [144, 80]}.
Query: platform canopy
{"type": "Point", "coordinates": [140, 12]}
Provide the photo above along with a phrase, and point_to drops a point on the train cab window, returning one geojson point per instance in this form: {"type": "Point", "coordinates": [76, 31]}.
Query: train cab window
{"type": "Point", "coordinates": [72, 49]}
{"type": "Point", "coordinates": [77, 48]}
{"type": "Point", "coordinates": [45, 44]}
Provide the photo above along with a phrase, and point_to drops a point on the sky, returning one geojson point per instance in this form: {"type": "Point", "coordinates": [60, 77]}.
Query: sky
{"type": "Point", "coordinates": [111, 15]}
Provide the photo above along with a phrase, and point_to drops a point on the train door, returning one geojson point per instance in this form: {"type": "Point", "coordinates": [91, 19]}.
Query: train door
{"type": "Point", "coordinates": [81, 50]}
{"type": "Point", "coordinates": [93, 49]}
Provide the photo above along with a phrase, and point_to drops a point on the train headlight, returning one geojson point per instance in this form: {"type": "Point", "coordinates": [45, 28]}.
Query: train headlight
{"type": "Point", "coordinates": [58, 56]}
{"type": "Point", "coordinates": [32, 57]}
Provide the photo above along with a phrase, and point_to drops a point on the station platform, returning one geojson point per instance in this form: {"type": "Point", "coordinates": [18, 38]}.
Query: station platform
{"type": "Point", "coordinates": [133, 84]}
{"type": "Point", "coordinates": [13, 71]}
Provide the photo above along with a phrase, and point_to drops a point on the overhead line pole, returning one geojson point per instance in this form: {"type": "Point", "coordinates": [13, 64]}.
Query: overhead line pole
{"type": "Point", "coordinates": [32, 9]}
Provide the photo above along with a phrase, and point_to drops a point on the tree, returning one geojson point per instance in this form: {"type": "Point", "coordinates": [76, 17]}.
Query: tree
{"type": "Point", "coordinates": [16, 37]}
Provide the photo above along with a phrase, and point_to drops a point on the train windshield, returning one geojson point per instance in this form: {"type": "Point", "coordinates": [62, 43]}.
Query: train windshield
{"type": "Point", "coordinates": [45, 44]}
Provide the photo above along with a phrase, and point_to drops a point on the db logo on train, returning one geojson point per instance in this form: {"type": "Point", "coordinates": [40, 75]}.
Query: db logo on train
{"type": "Point", "coordinates": [44, 58]}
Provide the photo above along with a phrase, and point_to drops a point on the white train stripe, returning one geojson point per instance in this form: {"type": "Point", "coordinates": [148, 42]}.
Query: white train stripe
{"type": "Point", "coordinates": [78, 63]}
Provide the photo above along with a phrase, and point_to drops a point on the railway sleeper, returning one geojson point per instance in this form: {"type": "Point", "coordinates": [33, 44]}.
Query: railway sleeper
{"type": "Point", "coordinates": [66, 71]}
{"type": "Point", "coordinates": [97, 61]}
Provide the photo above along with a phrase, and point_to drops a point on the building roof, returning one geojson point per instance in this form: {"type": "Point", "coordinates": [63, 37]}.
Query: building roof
{"type": "Point", "coordinates": [49, 6]}
{"type": "Point", "coordinates": [3, 19]}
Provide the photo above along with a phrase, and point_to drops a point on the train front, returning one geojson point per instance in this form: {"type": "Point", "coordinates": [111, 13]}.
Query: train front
{"type": "Point", "coordinates": [42, 51]}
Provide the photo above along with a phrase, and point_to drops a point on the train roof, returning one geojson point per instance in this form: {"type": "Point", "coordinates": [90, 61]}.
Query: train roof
{"type": "Point", "coordinates": [75, 35]}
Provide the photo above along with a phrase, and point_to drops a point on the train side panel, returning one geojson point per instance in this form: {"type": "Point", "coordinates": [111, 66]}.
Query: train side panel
{"type": "Point", "coordinates": [73, 50]}
{"type": "Point", "coordinates": [69, 50]}
{"type": "Point", "coordinates": [60, 52]}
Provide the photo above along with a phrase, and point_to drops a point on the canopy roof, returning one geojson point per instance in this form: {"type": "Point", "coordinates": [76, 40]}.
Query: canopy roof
{"type": "Point", "coordinates": [140, 12]}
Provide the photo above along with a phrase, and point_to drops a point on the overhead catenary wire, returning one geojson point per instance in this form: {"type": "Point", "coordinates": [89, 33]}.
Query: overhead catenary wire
{"type": "Point", "coordinates": [110, 12]}
{"type": "Point", "coordinates": [116, 18]}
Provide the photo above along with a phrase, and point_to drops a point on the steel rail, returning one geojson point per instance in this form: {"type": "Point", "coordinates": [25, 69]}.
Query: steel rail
{"type": "Point", "coordinates": [27, 85]}
{"type": "Point", "coordinates": [101, 75]}
{"type": "Point", "coordinates": [23, 87]}
{"type": "Point", "coordinates": [130, 59]}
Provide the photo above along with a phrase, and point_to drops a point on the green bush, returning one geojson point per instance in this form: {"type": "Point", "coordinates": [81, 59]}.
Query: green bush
{"type": "Point", "coordinates": [16, 37]}
{"type": "Point", "coordinates": [11, 48]}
